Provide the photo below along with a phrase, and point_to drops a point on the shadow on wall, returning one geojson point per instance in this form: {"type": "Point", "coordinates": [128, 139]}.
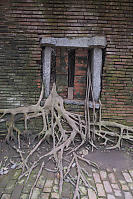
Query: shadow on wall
{"type": "Point", "coordinates": [19, 80]}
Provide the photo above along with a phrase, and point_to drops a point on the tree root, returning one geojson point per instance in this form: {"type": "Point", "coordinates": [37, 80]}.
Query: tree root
{"type": "Point", "coordinates": [64, 127]}
{"type": "Point", "coordinates": [38, 175]}
{"type": "Point", "coordinates": [81, 174]}
{"type": "Point", "coordinates": [123, 133]}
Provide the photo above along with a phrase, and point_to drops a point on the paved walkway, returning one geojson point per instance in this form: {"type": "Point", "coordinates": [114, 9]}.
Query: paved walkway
{"type": "Point", "coordinates": [109, 183]}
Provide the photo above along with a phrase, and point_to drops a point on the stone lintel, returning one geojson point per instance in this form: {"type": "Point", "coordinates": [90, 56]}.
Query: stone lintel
{"type": "Point", "coordinates": [82, 42]}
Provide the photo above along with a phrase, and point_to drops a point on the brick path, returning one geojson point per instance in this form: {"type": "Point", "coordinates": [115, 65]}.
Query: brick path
{"type": "Point", "coordinates": [109, 183]}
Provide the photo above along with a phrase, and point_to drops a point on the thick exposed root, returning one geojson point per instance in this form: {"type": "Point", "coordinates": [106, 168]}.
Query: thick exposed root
{"type": "Point", "coordinates": [38, 175]}
{"type": "Point", "coordinates": [114, 133]}
{"type": "Point", "coordinates": [82, 174]}
{"type": "Point", "coordinates": [64, 127]}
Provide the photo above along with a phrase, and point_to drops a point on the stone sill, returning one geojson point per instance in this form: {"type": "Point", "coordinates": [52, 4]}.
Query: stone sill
{"type": "Point", "coordinates": [81, 102]}
{"type": "Point", "coordinates": [75, 102]}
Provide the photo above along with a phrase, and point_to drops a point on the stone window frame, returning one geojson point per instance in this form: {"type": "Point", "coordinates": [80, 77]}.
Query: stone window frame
{"type": "Point", "coordinates": [96, 44]}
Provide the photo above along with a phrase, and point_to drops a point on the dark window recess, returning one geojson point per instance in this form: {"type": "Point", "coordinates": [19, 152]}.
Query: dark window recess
{"type": "Point", "coordinates": [53, 67]}
{"type": "Point", "coordinates": [71, 67]}
{"type": "Point", "coordinates": [89, 70]}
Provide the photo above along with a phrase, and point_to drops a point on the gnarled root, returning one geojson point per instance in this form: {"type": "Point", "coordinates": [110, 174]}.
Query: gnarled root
{"type": "Point", "coordinates": [113, 133]}
{"type": "Point", "coordinates": [64, 127]}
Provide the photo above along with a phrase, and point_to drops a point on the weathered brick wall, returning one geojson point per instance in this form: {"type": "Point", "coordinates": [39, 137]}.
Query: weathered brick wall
{"type": "Point", "coordinates": [81, 58]}
{"type": "Point", "coordinates": [24, 22]}
{"type": "Point", "coordinates": [62, 71]}
{"type": "Point", "coordinates": [20, 58]}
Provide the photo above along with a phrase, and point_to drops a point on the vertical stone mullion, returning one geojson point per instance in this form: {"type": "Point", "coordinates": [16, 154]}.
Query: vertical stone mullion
{"type": "Point", "coordinates": [96, 72]}
{"type": "Point", "coordinates": [46, 54]}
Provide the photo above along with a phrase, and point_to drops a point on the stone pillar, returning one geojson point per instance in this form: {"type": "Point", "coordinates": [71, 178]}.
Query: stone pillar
{"type": "Point", "coordinates": [46, 57]}
{"type": "Point", "coordinates": [96, 72]}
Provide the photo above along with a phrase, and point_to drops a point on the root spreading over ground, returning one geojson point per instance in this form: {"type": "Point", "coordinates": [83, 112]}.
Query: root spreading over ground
{"type": "Point", "coordinates": [65, 128]}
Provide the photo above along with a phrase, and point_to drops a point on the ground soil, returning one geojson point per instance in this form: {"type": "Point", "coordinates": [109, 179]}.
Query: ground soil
{"type": "Point", "coordinates": [122, 159]}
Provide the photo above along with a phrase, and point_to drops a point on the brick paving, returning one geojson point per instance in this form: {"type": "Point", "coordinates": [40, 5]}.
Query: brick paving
{"type": "Point", "coordinates": [109, 184]}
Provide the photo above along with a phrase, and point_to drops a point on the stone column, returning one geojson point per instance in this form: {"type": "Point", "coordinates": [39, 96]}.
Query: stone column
{"type": "Point", "coordinates": [46, 57]}
{"type": "Point", "coordinates": [96, 72]}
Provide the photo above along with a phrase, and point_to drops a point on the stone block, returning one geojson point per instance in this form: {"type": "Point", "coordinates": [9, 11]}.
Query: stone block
{"type": "Point", "coordinates": [49, 183]}
{"type": "Point", "coordinates": [103, 175]}
{"type": "Point", "coordinates": [112, 178]}
{"type": "Point", "coordinates": [55, 196]}
{"type": "Point", "coordinates": [124, 187]}
{"type": "Point", "coordinates": [83, 190]}
{"type": "Point", "coordinates": [5, 196]}
{"type": "Point", "coordinates": [91, 194]}
{"type": "Point", "coordinates": [107, 187]}
{"type": "Point", "coordinates": [100, 190]}
{"type": "Point", "coordinates": [17, 191]}
{"type": "Point", "coordinates": [44, 196]}
{"type": "Point", "coordinates": [117, 193]}
{"type": "Point", "coordinates": [55, 189]}
{"type": "Point", "coordinates": [10, 186]}
{"type": "Point", "coordinates": [128, 195]}
{"type": "Point", "coordinates": [110, 196]}
{"type": "Point", "coordinates": [115, 186]}
{"type": "Point", "coordinates": [127, 177]}
{"type": "Point", "coordinates": [47, 189]}
{"type": "Point", "coordinates": [41, 181]}
{"type": "Point", "coordinates": [24, 196]}
{"type": "Point", "coordinates": [36, 193]}
{"type": "Point", "coordinates": [97, 177]}
{"type": "Point", "coordinates": [130, 185]}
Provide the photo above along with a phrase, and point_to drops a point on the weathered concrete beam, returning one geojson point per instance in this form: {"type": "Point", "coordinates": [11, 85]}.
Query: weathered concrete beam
{"type": "Point", "coordinates": [81, 102]}
{"type": "Point", "coordinates": [76, 102]}
{"type": "Point", "coordinates": [46, 56]}
{"type": "Point", "coordinates": [83, 42]}
{"type": "Point", "coordinates": [96, 72]}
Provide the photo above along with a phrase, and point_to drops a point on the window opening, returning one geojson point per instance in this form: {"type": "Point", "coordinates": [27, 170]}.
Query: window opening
{"type": "Point", "coordinates": [71, 72]}
{"type": "Point", "coordinates": [71, 67]}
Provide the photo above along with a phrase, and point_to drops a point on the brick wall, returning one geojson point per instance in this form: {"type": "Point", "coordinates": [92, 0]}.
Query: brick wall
{"type": "Point", "coordinates": [24, 22]}
{"type": "Point", "coordinates": [81, 56]}
{"type": "Point", "coordinates": [62, 71]}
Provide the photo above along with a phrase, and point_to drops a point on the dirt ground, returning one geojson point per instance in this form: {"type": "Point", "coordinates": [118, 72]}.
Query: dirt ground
{"type": "Point", "coordinates": [9, 158]}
